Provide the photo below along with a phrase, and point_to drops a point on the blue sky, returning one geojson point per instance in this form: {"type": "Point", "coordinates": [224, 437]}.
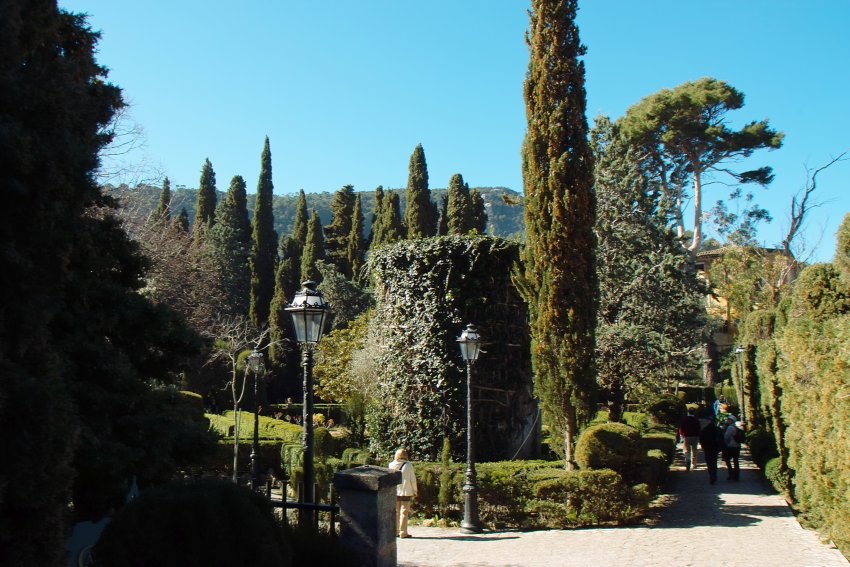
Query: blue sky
{"type": "Point", "coordinates": [345, 90]}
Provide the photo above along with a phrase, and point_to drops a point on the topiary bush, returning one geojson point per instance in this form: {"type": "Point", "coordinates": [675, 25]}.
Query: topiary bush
{"type": "Point", "coordinates": [762, 446]}
{"type": "Point", "coordinates": [666, 410]}
{"type": "Point", "coordinates": [779, 477]}
{"type": "Point", "coordinates": [201, 523]}
{"type": "Point", "coordinates": [615, 446]}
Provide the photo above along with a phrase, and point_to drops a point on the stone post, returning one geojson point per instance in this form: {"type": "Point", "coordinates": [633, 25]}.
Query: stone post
{"type": "Point", "coordinates": [367, 497]}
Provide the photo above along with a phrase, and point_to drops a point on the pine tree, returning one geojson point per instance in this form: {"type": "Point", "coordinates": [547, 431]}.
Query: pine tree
{"type": "Point", "coordinates": [314, 250]}
{"type": "Point", "coordinates": [559, 280]}
{"type": "Point", "coordinates": [390, 227]}
{"type": "Point", "coordinates": [338, 231]}
{"type": "Point", "coordinates": [459, 208]}
{"type": "Point", "coordinates": [264, 248]}
{"type": "Point", "coordinates": [163, 209]}
{"type": "Point", "coordinates": [420, 215]}
{"type": "Point", "coordinates": [205, 206]}
{"type": "Point", "coordinates": [356, 253]}
{"type": "Point", "coordinates": [376, 213]}
{"type": "Point", "coordinates": [478, 212]}
{"type": "Point", "coordinates": [229, 244]}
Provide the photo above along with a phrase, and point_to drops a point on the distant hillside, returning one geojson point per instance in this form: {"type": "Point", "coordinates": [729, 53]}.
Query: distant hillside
{"type": "Point", "coordinates": [503, 217]}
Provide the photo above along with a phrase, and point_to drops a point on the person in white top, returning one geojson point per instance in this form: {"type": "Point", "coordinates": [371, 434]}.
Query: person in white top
{"type": "Point", "coordinates": [405, 492]}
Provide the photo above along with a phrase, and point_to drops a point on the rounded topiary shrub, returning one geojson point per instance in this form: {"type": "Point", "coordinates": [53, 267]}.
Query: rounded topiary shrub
{"type": "Point", "coordinates": [762, 446]}
{"type": "Point", "coordinates": [200, 523]}
{"type": "Point", "coordinates": [614, 446]}
{"type": "Point", "coordinates": [666, 410]}
{"type": "Point", "coordinates": [779, 477]}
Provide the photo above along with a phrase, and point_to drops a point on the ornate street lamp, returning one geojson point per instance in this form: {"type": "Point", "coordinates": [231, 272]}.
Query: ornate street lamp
{"type": "Point", "coordinates": [739, 353]}
{"type": "Point", "coordinates": [255, 363]}
{"type": "Point", "coordinates": [309, 311]}
{"type": "Point", "coordinates": [470, 347]}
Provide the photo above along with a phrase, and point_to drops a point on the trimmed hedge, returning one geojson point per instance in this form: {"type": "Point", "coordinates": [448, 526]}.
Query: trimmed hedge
{"type": "Point", "coordinates": [778, 476]}
{"type": "Point", "coordinates": [615, 446]}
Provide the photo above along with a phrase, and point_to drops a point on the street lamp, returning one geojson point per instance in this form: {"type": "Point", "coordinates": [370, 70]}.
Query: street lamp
{"type": "Point", "coordinates": [739, 353]}
{"type": "Point", "coordinates": [470, 346]}
{"type": "Point", "coordinates": [309, 311]}
{"type": "Point", "coordinates": [255, 363]}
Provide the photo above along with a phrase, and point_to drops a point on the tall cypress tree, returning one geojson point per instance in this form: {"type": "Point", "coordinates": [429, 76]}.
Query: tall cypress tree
{"type": "Point", "coordinates": [420, 215]}
{"type": "Point", "coordinates": [443, 222]}
{"type": "Point", "coordinates": [229, 244]}
{"type": "Point", "coordinates": [314, 250]}
{"type": "Point", "coordinates": [338, 231]}
{"type": "Point", "coordinates": [459, 207]}
{"type": "Point", "coordinates": [390, 227]}
{"type": "Point", "coordinates": [356, 253]}
{"type": "Point", "coordinates": [264, 248]}
{"type": "Point", "coordinates": [205, 205]}
{"type": "Point", "coordinates": [559, 279]}
{"type": "Point", "coordinates": [376, 213]}
{"type": "Point", "coordinates": [163, 209]}
{"type": "Point", "coordinates": [478, 212]}
{"type": "Point", "coordinates": [286, 284]}
{"type": "Point", "coordinates": [299, 226]}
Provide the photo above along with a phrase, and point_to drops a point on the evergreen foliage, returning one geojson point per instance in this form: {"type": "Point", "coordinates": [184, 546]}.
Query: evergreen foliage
{"type": "Point", "coordinates": [459, 206]}
{"type": "Point", "coordinates": [229, 245]}
{"type": "Point", "coordinates": [376, 214]}
{"type": "Point", "coordinates": [206, 202]}
{"type": "Point", "coordinates": [443, 222]}
{"type": "Point", "coordinates": [163, 209]}
{"type": "Point", "coordinates": [314, 250]}
{"type": "Point", "coordinates": [479, 212]}
{"type": "Point", "coordinates": [338, 232]}
{"type": "Point", "coordinates": [299, 226]}
{"type": "Point", "coordinates": [559, 273]}
{"type": "Point", "coordinates": [286, 284]}
{"type": "Point", "coordinates": [390, 228]}
{"type": "Point", "coordinates": [420, 214]}
{"type": "Point", "coordinates": [842, 249]}
{"type": "Point", "coordinates": [181, 221]}
{"type": "Point", "coordinates": [651, 319]}
{"type": "Point", "coordinates": [263, 256]}
{"type": "Point", "coordinates": [357, 245]}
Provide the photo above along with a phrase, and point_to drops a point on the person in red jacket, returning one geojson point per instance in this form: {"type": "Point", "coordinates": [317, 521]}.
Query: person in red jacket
{"type": "Point", "coordinates": [689, 430]}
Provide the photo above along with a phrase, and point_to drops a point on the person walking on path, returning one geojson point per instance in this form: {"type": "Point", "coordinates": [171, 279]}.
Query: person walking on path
{"type": "Point", "coordinates": [732, 438]}
{"type": "Point", "coordinates": [711, 441]}
{"type": "Point", "coordinates": [405, 492]}
{"type": "Point", "coordinates": [689, 430]}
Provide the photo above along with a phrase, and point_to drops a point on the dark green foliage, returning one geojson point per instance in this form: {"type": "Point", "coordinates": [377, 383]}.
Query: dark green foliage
{"type": "Point", "coordinates": [357, 245]}
{"type": "Point", "coordinates": [762, 446]}
{"type": "Point", "coordinates": [349, 300]}
{"type": "Point", "coordinates": [443, 222]}
{"type": "Point", "coordinates": [558, 278]}
{"type": "Point", "coordinates": [205, 205]}
{"type": "Point", "coordinates": [376, 213]}
{"type": "Point", "coordinates": [300, 221]}
{"type": "Point", "coordinates": [338, 231]}
{"type": "Point", "coordinates": [615, 446]}
{"type": "Point", "coordinates": [778, 476]}
{"type": "Point", "coordinates": [229, 244]}
{"type": "Point", "coordinates": [181, 221]}
{"type": "Point", "coordinates": [420, 214]}
{"type": "Point", "coordinates": [459, 206]}
{"type": "Point", "coordinates": [666, 410]}
{"type": "Point", "coordinates": [650, 305]}
{"type": "Point", "coordinates": [203, 523]}
{"type": "Point", "coordinates": [478, 218]}
{"type": "Point", "coordinates": [286, 284]}
{"type": "Point", "coordinates": [263, 258]}
{"type": "Point", "coordinates": [446, 487]}
{"type": "Point", "coordinates": [314, 250]}
{"type": "Point", "coordinates": [390, 228]}
{"type": "Point", "coordinates": [163, 209]}
{"type": "Point", "coordinates": [429, 290]}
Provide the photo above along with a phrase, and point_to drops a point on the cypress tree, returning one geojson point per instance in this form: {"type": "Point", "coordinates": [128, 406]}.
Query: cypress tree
{"type": "Point", "coordinates": [420, 218]}
{"type": "Point", "coordinates": [314, 250]}
{"type": "Point", "coordinates": [559, 279]}
{"type": "Point", "coordinates": [338, 231]}
{"type": "Point", "coordinates": [181, 221]}
{"type": "Point", "coordinates": [163, 209]}
{"type": "Point", "coordinates": [230, 244]}
{"type": "Point", "coordinates": [443, 222]}
{"type": "Point", "coordinates": [299, 226]}
{"type": "Point", "coordinates": [391, 228]}
{"type": "Point", "coordinates": [264, 248]}
{"type": "Point", "coordinates": [286, 284]}
{"type": "Point", "coordinates": [376, 213]}
{"type": "Point", "coordinates": [356, 253]}
{"type": "Point", "coordinates": [478, 212]}
{"type": "Point", "coordinates": [459, 207]}
{"type": "Point", "coordinates": [205, 206]}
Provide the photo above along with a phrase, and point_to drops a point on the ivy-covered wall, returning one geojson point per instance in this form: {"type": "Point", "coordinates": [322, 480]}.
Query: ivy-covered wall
{"type": "Point", "coordinates": [427, 290]}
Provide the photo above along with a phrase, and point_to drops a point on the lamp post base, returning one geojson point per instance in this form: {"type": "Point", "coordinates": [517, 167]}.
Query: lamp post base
{"type": "Point", "coordinates": [470, 523]}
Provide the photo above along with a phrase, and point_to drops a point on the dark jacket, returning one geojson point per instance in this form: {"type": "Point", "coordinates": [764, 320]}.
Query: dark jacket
{"type": "Point", "coordinates": [689, 427]}
{"type": "Point", "coordinates": [711, 439]}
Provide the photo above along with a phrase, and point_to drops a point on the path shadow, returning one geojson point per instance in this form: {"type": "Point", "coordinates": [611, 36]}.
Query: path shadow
{"type": "Point", "coordinates": [490, 536]}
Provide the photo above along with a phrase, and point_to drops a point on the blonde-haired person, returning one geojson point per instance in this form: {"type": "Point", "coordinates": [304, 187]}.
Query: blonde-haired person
{"type": "Point", "coordinates": [405, 492]}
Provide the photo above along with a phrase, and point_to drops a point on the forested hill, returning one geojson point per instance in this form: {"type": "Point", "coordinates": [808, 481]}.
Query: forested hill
{"type": "Point", "coordinates": [504, 206]}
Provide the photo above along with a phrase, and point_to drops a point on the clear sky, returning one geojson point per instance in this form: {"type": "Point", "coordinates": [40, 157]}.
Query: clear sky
{"type": "Point", "coordinates": [345, 90]}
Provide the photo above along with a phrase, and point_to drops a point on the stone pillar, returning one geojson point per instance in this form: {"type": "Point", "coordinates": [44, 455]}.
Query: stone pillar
{"type": "Point", "coordinates": [367, 497]}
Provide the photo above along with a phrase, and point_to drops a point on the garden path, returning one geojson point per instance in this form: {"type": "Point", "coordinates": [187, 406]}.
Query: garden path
{"type": "Point", "coordinates": [736, 524]}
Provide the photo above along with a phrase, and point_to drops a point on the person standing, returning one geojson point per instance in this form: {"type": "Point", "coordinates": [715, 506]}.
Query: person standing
{"type": "Point", "coordinates": [405, 492]}
{"type": "Point", "coordinates": [711, 441]}
{"type": "Point", "coordinates": [732, 448]}
{"type": "Point", "coordinates": [689, 430]}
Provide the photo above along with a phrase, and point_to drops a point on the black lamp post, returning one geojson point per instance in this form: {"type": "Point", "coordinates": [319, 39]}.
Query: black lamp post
{"type": "Point", "coordinates": [308, 310]}
{"type": "Point", "coordinates": [739, 353]}
{"type": "Point", "coordinates": [255, 363]}
{"type": "Point", "coordinates": [470, 346]}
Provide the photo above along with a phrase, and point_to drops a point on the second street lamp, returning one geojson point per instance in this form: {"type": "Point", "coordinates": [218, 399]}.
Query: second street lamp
{"type": "Point", "coordinates": [308, 311]}
{"type": "Point", "coordinates": [255, 363]}
{"type": "Point", "coordinates": [470, 347]}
